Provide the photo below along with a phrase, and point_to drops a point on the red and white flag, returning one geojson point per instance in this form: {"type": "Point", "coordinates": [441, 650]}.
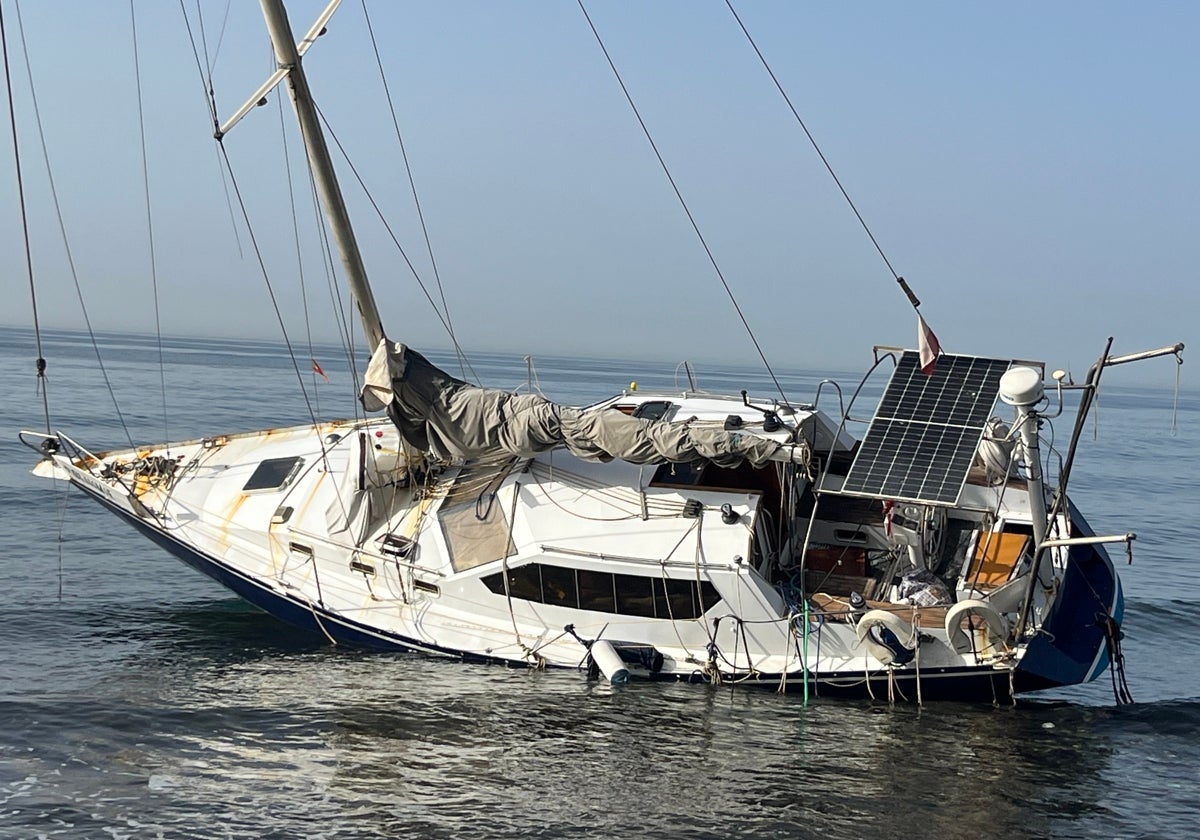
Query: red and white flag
{"type": "Point", "coordinates": [927, 346]}
{"type": "Point", "coordinates": [316, 368]}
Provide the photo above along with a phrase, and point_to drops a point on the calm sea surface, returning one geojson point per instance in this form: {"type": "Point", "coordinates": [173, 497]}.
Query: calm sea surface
{"type": "Point", "coordinates": [138, 699]}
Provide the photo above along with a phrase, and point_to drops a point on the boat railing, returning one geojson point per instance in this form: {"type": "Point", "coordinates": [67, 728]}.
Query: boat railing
{"type": "Point", "coordinates": [841, 400]}
{"type": "Point", "coordinates": [1115, 538]}
{"type": "Point", "coordinates": [624, 558]}
{"type": "Point", "coordinates": [47, 444]}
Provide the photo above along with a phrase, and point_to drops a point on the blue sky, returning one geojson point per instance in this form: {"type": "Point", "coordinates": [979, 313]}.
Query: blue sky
{"type": "Point", "coordinates": [1031, 169]}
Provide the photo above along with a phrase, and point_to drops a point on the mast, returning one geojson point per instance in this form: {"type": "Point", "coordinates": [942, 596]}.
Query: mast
{"type": "Point", "coordinates": [288, 58]}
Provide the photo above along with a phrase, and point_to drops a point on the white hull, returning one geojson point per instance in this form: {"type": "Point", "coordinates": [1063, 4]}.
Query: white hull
{"type": "Point", "coordinates": [338, 533]}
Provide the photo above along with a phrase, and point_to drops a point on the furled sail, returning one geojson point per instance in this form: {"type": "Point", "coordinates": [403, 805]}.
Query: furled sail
{"type": "Point", "coordinates": [454, 420]}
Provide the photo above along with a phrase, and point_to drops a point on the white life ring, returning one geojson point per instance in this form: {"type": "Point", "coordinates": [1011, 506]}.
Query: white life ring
{"type": "Point", "coordinates": [996, 451]}
{"type": "Point", "coordinates": [997, 627]}
{"type": "Point", "coordinates": [900, 628]}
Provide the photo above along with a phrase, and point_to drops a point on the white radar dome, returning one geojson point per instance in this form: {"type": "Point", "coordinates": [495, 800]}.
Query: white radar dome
{"type": "Point", "coordinates": [1022, 386]}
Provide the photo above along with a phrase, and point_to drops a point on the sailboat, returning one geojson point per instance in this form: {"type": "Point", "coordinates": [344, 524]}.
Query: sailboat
{"type": "Point", "coordinates": [683, 536]}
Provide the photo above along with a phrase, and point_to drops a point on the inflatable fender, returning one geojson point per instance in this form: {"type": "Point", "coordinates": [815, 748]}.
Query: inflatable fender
{"type": "Point", "coordinates": [997, 627]}
{"type": "Point", "coordinates": [900, 629]}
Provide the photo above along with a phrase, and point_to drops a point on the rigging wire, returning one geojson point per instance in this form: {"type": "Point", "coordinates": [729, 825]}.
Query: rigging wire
{"type": "Point", "coordinates": [344, 320]}
{"type": "Point", "coordinates": [383, 219]}
{"type": "Point", "coordinates": [211, 98]}
{"type": "Point", "coordinates": [286, 339]}
{"type": "Point", "coordinates": [204, 71]}
{"type": "Point", "coordinates": [262, 265]}
{"type": "Point", "coordinates": [287, 165]}
{"type": "Point", "coordinates": [37, 330]}
{"type": "Point", "coordinates": [212, 63]}
{"type": "Point", "coordinates": [162, 369]}
{"type": "Point", "coordinates": [37, 116]}
{"type": "Point", "coordinates": [687, 211]}
{"type": "Point", "coordinates": [462, 365]}
{"type": "Point", "coordinates": [228, 169]}
{"type": "Point", "coordinates": [829, 167]}
{"type": "Point", "coordinates": [278, 313]}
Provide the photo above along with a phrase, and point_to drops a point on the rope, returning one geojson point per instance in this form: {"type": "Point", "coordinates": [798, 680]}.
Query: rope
{"type": "Point", "coordinates": [1112, 641]}
{"type": "Point", "coordinates": [162, 368]}
{"type": "Point", "coordinates": [917, 635]}
{"type": "Point", "coordinates": [40, 365]}
{"type": "Point", "coordinates": [1175, 408]}
{"type": "Point", "coordinates": [62, 524]}
{"type": "Point", "coordinates": [804, 664]}
{"type": "Point", "coordinates": [666, 598]}
{"type": "Point", "coordinates": [313, 609]}
{"type": "Point", "coordinates": [687, 211]}
{"type": "Point", "coordinates": [37, 115]}
{"type": "Point", "coordinates": [270, 289]}
{"type": "Point", "coordinates": [529, 652]}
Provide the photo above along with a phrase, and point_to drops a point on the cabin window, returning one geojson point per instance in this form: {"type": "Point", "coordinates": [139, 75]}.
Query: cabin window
{"type": "Point", "coordinates": [674, 598]}
{"type": "Point", "coordinates": [708, 476]}
{"type": "Point", "coordinates": [678, 475]}
{"type": "Point", "coordinates": [596, 591]}
{"type": "Point", "coordinates": [652, 410]}
{"type": "Point", "coordinates": [273, 474]}
{"type": "Point", "coordinates": [558, 586]}
{"type": "Point", "coordinates": [635, 595]}
{"type": "Point", "coordinates": [524, 582]}
{"type": "Point", "coordinates": [646, 597]}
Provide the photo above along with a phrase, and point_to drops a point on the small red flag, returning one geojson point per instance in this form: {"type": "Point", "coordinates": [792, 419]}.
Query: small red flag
{"type": "Point", "coordinates": [317, 370]}
{"type": "Point", "coordinates": [927, 346]}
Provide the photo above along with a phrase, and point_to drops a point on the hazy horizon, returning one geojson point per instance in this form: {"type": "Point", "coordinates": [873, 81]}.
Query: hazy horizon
{"type": "Point", "coordinates": [1030, 170]}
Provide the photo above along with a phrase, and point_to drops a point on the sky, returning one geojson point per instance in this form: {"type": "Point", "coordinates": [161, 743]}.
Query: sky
{"type": "Point", "coordinates": [1031, 170]}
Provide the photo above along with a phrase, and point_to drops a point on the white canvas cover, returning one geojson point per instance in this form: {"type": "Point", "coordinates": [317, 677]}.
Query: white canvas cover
{"type": "Point", "coordinates": [454, 420]}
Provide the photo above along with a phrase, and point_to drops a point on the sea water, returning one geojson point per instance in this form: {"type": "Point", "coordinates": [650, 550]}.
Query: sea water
{"type": "Point", "coordinates": [138, 699]}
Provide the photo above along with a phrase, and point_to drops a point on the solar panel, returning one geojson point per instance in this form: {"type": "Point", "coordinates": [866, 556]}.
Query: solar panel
{"type": "Point", "coordinates": [921, 442]}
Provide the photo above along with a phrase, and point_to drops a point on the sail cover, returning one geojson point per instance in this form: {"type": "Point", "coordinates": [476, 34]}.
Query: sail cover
{"type": "Point", "coordinates": [454, 420]}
